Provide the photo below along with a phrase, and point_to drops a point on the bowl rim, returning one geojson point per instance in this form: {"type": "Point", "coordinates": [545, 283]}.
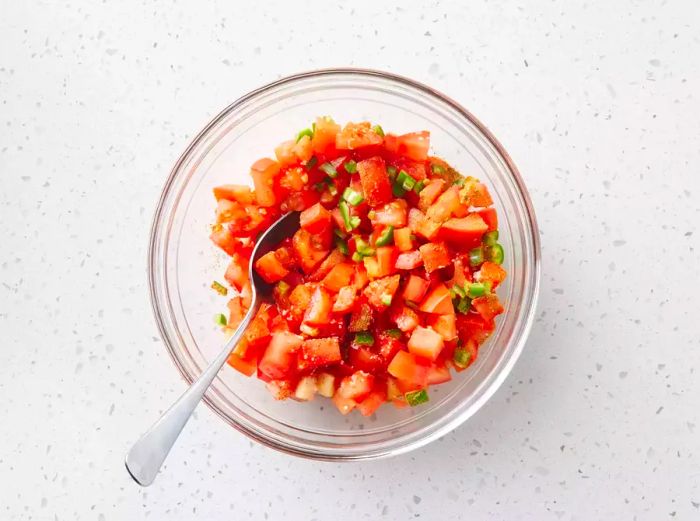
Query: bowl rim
{"type": "Point", "coordinates": [498, 378]}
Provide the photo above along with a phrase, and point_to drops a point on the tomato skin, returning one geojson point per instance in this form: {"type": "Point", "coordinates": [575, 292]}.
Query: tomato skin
{"type": "Point", "coordinates": [435, 256]}
{"type": "Point", "coordinates": [444, 325]}
{"type": "Point", "coordinates": [438, 301]}
{"type": "Point", "coordinates": [375, 181]}
{"type": "Point", "coordinates": [263, 173]}
{"type": "Point", "coordinates": [278, 362]}
{"type": "Point", "coordinates": [319, 311]}
{"type": "Point", "coordinates": [413, 145]}
{"type": "Point", "coordinates": [335, 257]}
{"type": "Point", "coordinates": [221, 236]}
{"type": "Point", "coordinates": [415, 288]}
{"type": "Point", "coordinates": [318, 352]}
{"type": "Point", "coordinates": [465, 232]}
{"type": "Point", "coordinates": [402, 239]}
{"type": "Point", "coordinates": [473, 327]}
{"type": "Point", "coordinates": [339, 277]}
{"type": "Point", "coordinates": [438, 374]}
{"type": "Point", "coordinates": [270, 268]}
{"type": "Point", "coordinates": [240, 193]}
{"type": "Point", "coordinates": [315, 219]}
{"type": "Point", "coordinates": [237, 271]}
{"type": "Point", "coordinates": [246, 367]}
{"type": "Point", "coordinates": [309, 257]}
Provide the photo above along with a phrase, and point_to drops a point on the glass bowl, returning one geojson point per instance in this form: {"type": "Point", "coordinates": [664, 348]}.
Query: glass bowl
{"type": "Point", "coordinates": [183, 262]}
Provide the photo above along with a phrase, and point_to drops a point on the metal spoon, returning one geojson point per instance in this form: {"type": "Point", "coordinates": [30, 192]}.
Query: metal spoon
{"type": "Point", "coordinates": [147, 455]}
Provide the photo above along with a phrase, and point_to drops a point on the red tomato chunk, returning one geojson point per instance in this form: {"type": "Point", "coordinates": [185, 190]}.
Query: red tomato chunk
{"type": "Point", "coordinates": [390, 281]}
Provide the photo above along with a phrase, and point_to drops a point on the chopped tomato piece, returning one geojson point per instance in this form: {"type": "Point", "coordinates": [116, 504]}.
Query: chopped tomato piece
{"type": "Point", "coordinates": [415, 288]}
{"type": "Point", "coordinates": [361, 318]}
{"type": "Point", "coordinates": [413, 145]}
{"type": "Point", "coordinates": [236, 311]}
{"type": "Point", "coordinates": [264, 172]}
{"type": "Point", "coordinates": [315, 219]}
{"type": "Point", "coordinates": [345, 300]}
{"type": "Point", "coordinates": [445, 206]}
{"type": "Point", "coordinates": [408, 260]}
{"type": "Point", "coordinates": [402, 239]}
{"type": "Point", "coordinates": [246, 367]}
{"type": "Point", "coordinates": [374, 400]}
{"type": "Point", "coordinates": [318, 352]}
{"type": "Point", "coordinates": [319, 310]}
{"type": "Point", "coordinates": [405, 318]}
{"type": "Point", "coordinates": [438, 374]}
{"type": "Point", "coordinates": [375, 181]}
{"type": "Point", "coordinates": [444, 325]}
{"type": "Point", "coordinates": [386, 260]}
{"type": "Point", "coordinates": [380, 292]}
{"type": "Point", "coordinates": [430, 193]}
{"type": "Point", "coordinates": [393, 213]}
{"type": "Point", "coordinates": [237, 271]}
{"type": "Point", "coordinates": [325, 134]}
{"type": "Point", "coordinates": [357, 135]}
{"type": "Point", "coordinates": [285, 153]}
{"type": "Point", "coordinates": [405, 367]}
{"type": "Point", "coordinates": [488, 306]}
{"type": "Point", "coordinates": [465, 232]}
{"type": "Point", "coordinates": [493, 273]}
{"type": "Point", "coordinates": [490, 217]}
{"type": "Point", "coordinates": [221, 236]}
{"type": "Point", "coordinates": [309, 257]}
{"type": "Point", "coordinates": [335, 257]}
{"type": "Point", "coordinates": [339, 277]}
{"type": "Point", "coordinates": [426, 343]}
{"type": "Point", "coordinates": [361, 278]}
{"type": "Point", "coordinates": [365, 360]}
{"type": "Point", "coordinates": [239, 193]}
{"type": "Point", "coordinates": [476, 194]}
{"type": "Point", "coordinates": [303, 150]}
{"type": "Point", "coordinates": [438, 301]}
{"type": "Point", "coordinates": [357, 386]}
{"type": "Point", "coordinates": [278, 361]}
{"type": "Point", "coordinates": [435, 256]}
{"type": "Point", "coordinates": [270, 268]}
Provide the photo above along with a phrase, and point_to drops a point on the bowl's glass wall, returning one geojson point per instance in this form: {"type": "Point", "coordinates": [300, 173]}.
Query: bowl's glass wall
{"type": "Point", "coordinates": [184, 262]}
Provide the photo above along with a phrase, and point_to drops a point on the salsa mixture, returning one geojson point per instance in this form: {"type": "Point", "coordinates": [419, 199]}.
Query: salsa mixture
{"type": "Point", "coordinates": [388, 284]}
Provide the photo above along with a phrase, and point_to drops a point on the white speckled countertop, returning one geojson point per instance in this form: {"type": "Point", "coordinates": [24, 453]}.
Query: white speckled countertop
{"type": "Point", "coordinates": [597, 104]}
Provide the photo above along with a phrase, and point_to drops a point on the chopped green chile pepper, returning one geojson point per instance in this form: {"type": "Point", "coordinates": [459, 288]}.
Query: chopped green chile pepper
{"type": "Point", "coordinates": [459, 290]}
{"type": "Point", "coordinates": [220, 319]}
{"type": "Point", "coordinates": [458, 182]}
{"type": "Point", "coordinates": [345, 214]}
{"type": "Point", "coordinates": [311, 162]}
{"type": "Point", "coordinates": [352, 196]}
{"type": "Point", "coordinates": [405, 180]}
{"type": "Point", "coordinates": [386, 299]}
{"type": "Point", "coordinates": [340, 233]}
{"type": "Point", "coordinates": [477, 289]}
{"type": "Point", "coordinates": [283, 287]}
{"type": "Point", "coordinates": [394, 333]}
{"type": "Point", "coordinates": [476, 257]}
{"type": "Point", "coordinates": [495, 253]}
{"type": "Point", "coordinates": [342, 245]}
{"type": "Point", "coordinates": [461, 357]}
{"type": "Point", "coordinates": [463, 305]}
{"type": "Point", "coordinates": [356, 257]}
{"type": "Point", "coordinates": [414, 398]}
{"type": "Point", "coordinates": [437, 169]}
{"type": "Point", "coordinates": [305, 132]}
{"type": "Point", "coordinates": [364, 338]}
{"type": "Point", "coordinates": [490, 238]}
{"type": "Point", "coordinates": [378, 130]}
{"type": "Point", "coordinates": [398, 190]}
{"type": "Point", "coordinates": [386, 237]}
{"type": "Point", "coordinates": [219, 288]}
{"type": "Point", "coordinates": [391, 171]}
{"type": "Point", "coordinates": [329, 169]}
{"type": "Point", "coordinates": [320, 187]}
{"type": "Point", "coordinates": [363, 248]}
{"type": "Point", "coordinates": [419, 187]}
{"type": "Point", "coordinates": [350, 167]}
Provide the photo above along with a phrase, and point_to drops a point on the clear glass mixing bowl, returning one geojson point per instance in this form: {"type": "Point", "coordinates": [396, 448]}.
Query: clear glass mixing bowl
{"type": "Point", "coordinates": [183, 262]}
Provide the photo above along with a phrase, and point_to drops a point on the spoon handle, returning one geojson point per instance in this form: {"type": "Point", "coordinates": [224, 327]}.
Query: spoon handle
{"type": "Point", "coordinates": [147, 455]}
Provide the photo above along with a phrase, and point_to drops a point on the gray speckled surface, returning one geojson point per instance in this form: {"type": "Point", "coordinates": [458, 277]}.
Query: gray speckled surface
{"type": "Point", "coordinates": [598, 106]}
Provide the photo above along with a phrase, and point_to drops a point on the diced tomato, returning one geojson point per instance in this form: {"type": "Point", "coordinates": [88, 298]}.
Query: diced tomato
{"type": "Point", "coordinates": [303, 150]}
{"type": "Point", "coordinates": [298, 201]}
{"type": "Point", "coordinates": [374, 400]}
{"type": "Point", "coordinates": [375, 181]}
{"type": "Point", "coordinates": [270, 268]}
{"type": "Point", "coordinates": [362, 317]}
{"type": "Point", "coordinates": [345, 300]}
{"type": "Point", "coordinates": [423, 226]}
{"type": "Point", "coordinates": [221, 236]}
{"type": "Point", "coordinates": [388, 346]}
{"type": "Point", "coordinates": [393, 213]}
{"type": "Point", "coordinates": [492, 272]}
{"type": "Point", "coordinates": [363, 359]}
{"type": "Point", "coordinates": [402, 239]}
{"type": "Point", "coordinates": [465, 232]}
{"type": "Point", "coordinates": [246, 367]}
{"type": "Point", "coordinates": [386, 260]}
{"type": "Point", "coordinates": [405, 318]}
{"type": "Point", "coordinates": [444, 325]}
{"type": "Point", "coordinates": [237, 271]}
{"type": "Point", "coordinates": [426, 343]}
{"type": "Point", "coordinates": [334, 258]}
{"type": "Point", "coordinates": [414, 145]}
{"type": "Point", "coordinates": [278, 361]}
{"type": "Point", "coordinates": [299, 300]}
{"type": "Point", "coordinates": [239, 193]}
{"type": "Point", "coordinates": [476, 194]}
{"type": "Point", "coordinates": [488, 306]}
{"type": "Point", "coordinates": [461, 274]}
{"type": "Point", "coordinates": [408, 260]}
{"type": "Point", "coordinates": [430, 193]}
{"type": "Point", "coordinates": [380, 292]}
{"type": "Point", "coordinates": [415, 288]}
{"type": "Point", "coordinates": [472, 326]}
{"type": "Point", "coordinates": [309, 257]}
{"type": "Point", "coordinates": [264, 172]}
{"type": "Point", "coordinates": [236, 311]}
{"type": "Point", "coordinates": [435, 256]}
{"type": "Point", "coordinates": [357, 135]}
{"type": "Point", "coordinates": [319, 310]}
{"type": "Point", "coordinates": [344, 405]}
{"type": "Point", "coordinates": [280, 389]}
{"type": "Point", "coordinates": [438, 301]}
{"type": "Point", "coordinates": [361, 279]}
{"type": "Point", "coordinates": [284, 153]}
{"type": "Point", "coordinates": [438, 374]}
{"type": "Point", "coordinates": [318, 352]}
{"type": "Point", "coordinates": [490, 217]}
{"type": "Point", "coordinates": [357, 386]}
{"type": "Point", "coordinates": [405, 367]}
{"type": "Point", "coordinates": [445, 206]}
{"type": "Point", "coordinates": [315, 219]}
{"type": "Point", "coordinates": [324, 135]}
{"type": "Point", "coordinates": [339, 277]}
